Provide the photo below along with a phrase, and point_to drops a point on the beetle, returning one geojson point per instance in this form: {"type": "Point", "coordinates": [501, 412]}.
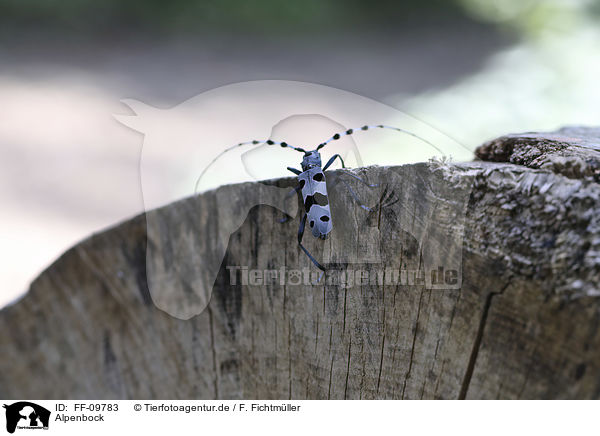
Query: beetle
{"type": "Point", "coordinates": [313, 186]}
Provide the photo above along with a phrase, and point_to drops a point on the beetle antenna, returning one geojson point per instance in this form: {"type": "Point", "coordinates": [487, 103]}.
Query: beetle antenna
{"type": "Point", "coordinates": [253, 142]}
{"type": "Point", "coordinates": [378, 126]}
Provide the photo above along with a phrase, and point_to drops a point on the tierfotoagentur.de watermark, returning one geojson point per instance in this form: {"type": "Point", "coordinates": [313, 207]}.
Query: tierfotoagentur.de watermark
{"type": "Point", "coordinates": [367, 211]}
{"type": "Point", "coordinates": [439, 278]}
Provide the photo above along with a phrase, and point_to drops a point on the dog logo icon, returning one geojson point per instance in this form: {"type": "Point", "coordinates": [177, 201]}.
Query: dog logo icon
{"type": "Point", "coordinates": [26, 415]}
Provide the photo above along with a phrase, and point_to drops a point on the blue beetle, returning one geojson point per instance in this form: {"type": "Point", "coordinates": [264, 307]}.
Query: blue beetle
{"type": "Point", "coordinates": [313, 186]}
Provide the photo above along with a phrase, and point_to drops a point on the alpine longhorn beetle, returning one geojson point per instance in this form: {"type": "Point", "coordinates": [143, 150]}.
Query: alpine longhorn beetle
{"type": "Point", "coordinates": [312, 183]}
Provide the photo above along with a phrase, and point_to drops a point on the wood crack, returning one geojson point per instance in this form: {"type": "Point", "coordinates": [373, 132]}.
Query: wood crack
{"type": "Point", "coordinates": [477, 343]}
{"type": "Point", "coordinates": [412, 350]}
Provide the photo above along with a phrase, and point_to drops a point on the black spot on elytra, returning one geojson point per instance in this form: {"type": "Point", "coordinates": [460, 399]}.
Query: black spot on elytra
{"type": "Point", "coordinates": [270, 142]}
{"type": "Point", "coordinates": [365, 127]}
{"type": "Point", "coordinates": [325, 218]}
{"type": "Point", "coordinates": [283, 144]}
{"type": "Point", "coordinates": [336, 136]}
{"type": "Point", "coordinates": [349, 132]}
{"type": "Point", "coordinates": [318, 177]}
{"type": "Point", "coordinates": [317, 198]}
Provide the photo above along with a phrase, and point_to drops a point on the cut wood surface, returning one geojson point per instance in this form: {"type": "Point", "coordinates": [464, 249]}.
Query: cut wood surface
{"type": "Point", "coordinates": [149, 309]}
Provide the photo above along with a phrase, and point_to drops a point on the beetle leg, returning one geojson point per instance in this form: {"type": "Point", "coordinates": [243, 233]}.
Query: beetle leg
{"type": "Point", "coordinates": [300, 235]}
{"type": "Point", "coordinates": [355, 197]}
{"type": "Point", "coordinates": [374, 185]}
{"type": "Point", "coordinates": [333, 158]}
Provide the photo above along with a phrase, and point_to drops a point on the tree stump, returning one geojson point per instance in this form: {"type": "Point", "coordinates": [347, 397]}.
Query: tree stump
{"type": "Point", "coordinates": [128, 314]}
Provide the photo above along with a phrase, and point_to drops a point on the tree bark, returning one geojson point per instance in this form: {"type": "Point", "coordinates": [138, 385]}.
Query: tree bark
{"type": "Point", "coordinates": [149, 309]}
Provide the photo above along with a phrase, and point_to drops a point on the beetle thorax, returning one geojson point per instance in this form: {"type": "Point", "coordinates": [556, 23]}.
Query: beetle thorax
{"type": "Point", "coordinates": [312, 159]}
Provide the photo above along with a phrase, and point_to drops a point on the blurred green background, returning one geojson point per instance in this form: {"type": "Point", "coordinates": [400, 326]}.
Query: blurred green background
{"type": "Point", "coordinates": [88, 17]}
{"type": "Point", "coordinates": [94, 18]}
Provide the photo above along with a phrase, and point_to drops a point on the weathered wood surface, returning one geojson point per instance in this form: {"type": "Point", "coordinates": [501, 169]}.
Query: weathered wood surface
{"type": "Point", "coordinates": [523, 323]}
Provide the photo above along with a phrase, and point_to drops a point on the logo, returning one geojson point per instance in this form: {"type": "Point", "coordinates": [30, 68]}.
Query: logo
{"type": "Point", "coordinates": [26, 415]}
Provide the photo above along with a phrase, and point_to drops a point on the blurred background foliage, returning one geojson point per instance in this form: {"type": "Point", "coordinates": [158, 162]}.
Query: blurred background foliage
{"type": "Point", "coordinates": [95, 18]}
{"type": "Point", "coordinates": [534, 18]}
{"type": "Point", "coordinates": [545, 80]}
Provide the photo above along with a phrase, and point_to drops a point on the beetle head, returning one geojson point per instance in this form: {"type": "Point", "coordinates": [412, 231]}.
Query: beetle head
{"type": "Point", "coordinates": [311, 159]}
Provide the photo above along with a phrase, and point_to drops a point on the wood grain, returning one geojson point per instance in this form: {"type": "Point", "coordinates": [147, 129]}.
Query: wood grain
{"type": "Point", "coordinates": [522, 225]}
